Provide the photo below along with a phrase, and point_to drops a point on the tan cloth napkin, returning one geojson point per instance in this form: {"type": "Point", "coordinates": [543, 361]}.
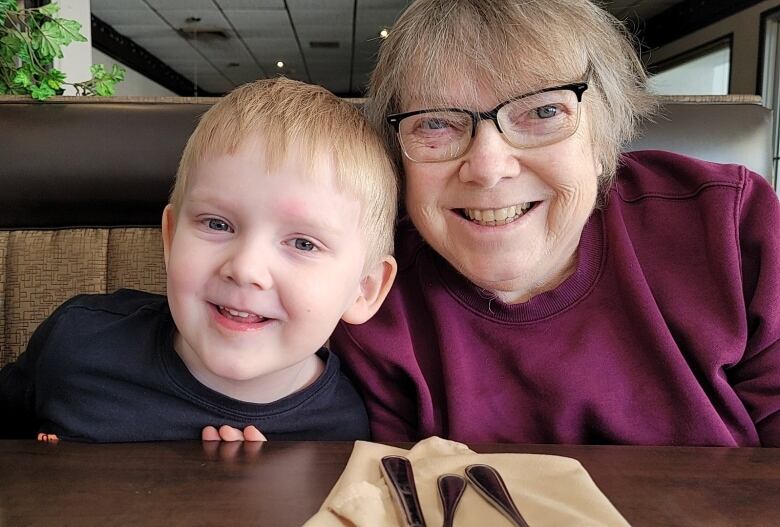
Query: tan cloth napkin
{"type": "Point", "coordinates": [548, 490]}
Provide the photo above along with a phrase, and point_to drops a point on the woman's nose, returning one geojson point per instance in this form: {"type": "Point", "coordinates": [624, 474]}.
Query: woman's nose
{"type": "Point", "coordinates": [248, 265]}
{"type": "Point", "coordinates": [489, 158]}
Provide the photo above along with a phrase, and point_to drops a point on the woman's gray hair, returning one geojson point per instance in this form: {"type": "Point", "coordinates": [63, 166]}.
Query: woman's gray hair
{"type": "Point", "coordinates": [506, 47]}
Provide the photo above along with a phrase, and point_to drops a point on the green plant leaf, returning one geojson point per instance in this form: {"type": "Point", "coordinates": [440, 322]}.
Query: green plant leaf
{"type": "Point", "coordinates": [97, 70]}
{"type": "Point", "coordinates": [5, 7]}
{"type": "Point", "coordinates": [4, 89]}
{"type": "Point", "coordinates": [13, 42]}
{"type": "Point", "coordinates": [41, 92]}
{"type": "Point", "coordinates": [50, 9]}
{"type": "Point", "coordinates": [54, 78]}
{"type": "Point", "coordinates": [7, 56]}
{"type": "Point", "coordinates": [22, 78]}
{"type": "Point", "coordinates": [104, 87]}
{"type": "Point", "coordinates": [70, 32]}
{"type": "Point", "coordinates": [117, 73]}
{"type": "Point", "coordinates": [48, 40]}
{"type": "Point", "coordinates": [57, 75]}
{"type": "Point", "coordinates": [30, 40]}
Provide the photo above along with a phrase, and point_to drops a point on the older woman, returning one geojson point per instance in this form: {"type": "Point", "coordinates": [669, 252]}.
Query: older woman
{"type": "Point", "coordinates": [550, 290]}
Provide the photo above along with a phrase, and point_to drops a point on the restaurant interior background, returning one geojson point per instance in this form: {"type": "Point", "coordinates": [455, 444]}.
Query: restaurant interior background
{"type": "Point", "coordinates": [207, 47]}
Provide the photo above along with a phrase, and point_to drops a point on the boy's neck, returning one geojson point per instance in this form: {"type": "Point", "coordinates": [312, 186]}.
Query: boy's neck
{"type": "Point", "coordinates": [266, 389]}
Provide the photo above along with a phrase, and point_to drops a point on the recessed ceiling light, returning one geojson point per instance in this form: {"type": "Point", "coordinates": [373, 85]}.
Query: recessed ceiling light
{"type": "Point", "coordinates": [280, 64]}
{"type": "Point", "coordinates": [384, 33]}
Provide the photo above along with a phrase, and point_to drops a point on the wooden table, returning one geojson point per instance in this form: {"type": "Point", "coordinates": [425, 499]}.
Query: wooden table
{"type": "Point", "coordinates": [282, 484]}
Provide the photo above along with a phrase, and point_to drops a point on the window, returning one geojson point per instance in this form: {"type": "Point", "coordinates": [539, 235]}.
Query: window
{"type": "Point", "coordinates": [702, 71]}
{"type": "Point", "coordinates": [770, 85]}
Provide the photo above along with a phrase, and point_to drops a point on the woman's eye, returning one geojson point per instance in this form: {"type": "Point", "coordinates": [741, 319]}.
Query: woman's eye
{"type": "Point", "coordinates": [434, 124]}
{"type": "Point", "coordinates": [303, 244]}
{"type": "Point", "coordinates": [546, 112]}
{"type": "Point", "coordinates": [215, 224]}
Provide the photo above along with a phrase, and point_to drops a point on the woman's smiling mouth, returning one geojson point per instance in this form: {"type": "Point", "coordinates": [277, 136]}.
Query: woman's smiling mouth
{"type": "Point", "coordinates": [502, 216]}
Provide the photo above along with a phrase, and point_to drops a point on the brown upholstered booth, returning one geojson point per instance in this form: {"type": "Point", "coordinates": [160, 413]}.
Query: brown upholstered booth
{"type": "Point", "coordinates": [82, 188]}
{"type": "Point", "coordinates": [83, 183]}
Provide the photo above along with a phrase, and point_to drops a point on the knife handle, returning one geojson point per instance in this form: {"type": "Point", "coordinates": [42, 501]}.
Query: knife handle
{"type": "Point", "coordinates": [397, 470]}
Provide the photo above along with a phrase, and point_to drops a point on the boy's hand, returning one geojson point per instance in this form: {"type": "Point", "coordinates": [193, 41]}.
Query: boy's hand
{"type": "Point", "coordinates": [228, 433]}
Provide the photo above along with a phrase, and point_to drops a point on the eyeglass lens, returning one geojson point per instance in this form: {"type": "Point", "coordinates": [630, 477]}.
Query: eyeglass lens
{"type": "Point", "coordinates": [535, 120]}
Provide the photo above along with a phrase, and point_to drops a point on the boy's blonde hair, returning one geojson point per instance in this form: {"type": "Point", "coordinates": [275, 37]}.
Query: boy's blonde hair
{"type": "Point", "coordinates": [282, 114]}
{"type": "Point", "coordinates": [505, 48]}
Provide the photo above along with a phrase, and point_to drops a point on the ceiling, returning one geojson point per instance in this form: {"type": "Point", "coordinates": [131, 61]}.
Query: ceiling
{"type": "Point", "coordinates": [219, 44]}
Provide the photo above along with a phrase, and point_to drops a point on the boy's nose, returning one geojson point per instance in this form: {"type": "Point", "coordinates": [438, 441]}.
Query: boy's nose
{"type": "Point", "coordinates": [248, 266]}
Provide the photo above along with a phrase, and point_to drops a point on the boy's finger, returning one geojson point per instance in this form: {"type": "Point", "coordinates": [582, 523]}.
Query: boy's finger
{"type": "Point", "coordinates": [251, 433]}
{"type": "Point", "coordinates": [209, 433]}
{"type": "Point", "coordinates": [228, 433]}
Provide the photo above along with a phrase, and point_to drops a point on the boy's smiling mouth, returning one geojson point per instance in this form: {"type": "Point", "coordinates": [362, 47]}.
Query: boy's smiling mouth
{"type": "Point", "coordinates": [240, 316]}
{"type": "Point", "coordinates": [234, 319]}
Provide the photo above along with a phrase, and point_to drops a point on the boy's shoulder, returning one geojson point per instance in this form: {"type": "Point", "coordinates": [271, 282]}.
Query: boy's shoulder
{"type": "Point", "coordinates": [122, 302]}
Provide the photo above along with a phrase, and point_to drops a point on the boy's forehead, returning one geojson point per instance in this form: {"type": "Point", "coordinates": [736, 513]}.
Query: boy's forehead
{"type": "Point", "coordinates": [297, 162]}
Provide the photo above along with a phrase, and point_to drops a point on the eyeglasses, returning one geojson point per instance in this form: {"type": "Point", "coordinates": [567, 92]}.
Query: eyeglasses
{"type": "Point", "coordinates": [535, 119]}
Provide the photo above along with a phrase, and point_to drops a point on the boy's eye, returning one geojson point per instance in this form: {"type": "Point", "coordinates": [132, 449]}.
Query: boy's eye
{"type": "Point", "coordinates": [303, 244]}
{"type": "Point", "coordinates": [216, 224]}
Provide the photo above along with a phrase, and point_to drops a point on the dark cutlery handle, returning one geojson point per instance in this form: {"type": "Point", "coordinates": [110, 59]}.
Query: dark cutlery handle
{"type": "Point", "coordinates": [397, 470]}
{"type": "Point", "coordinates": [451, 487]}
{"type": "Point", "coordinates": [491, 486]}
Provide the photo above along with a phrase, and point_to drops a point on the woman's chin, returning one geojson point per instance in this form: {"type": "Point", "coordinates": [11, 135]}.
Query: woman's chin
{"type": "Point", "coordinates": [513, 280]}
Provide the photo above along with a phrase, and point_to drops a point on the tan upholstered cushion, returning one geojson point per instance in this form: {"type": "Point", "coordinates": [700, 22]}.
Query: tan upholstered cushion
{"type": "Point", "coordinates": [41, 269]}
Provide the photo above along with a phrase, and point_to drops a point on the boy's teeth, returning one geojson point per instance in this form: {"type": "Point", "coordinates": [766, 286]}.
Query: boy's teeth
{"type": "Point", "coordinates": [498, 216]}
{"type": "Point", "coordinates": [235, 313]}
{"type": "Point", "coordinates": [240, 314]}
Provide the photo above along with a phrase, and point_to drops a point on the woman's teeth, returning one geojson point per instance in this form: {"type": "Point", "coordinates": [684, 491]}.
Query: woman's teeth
{"type": "Point", "coordinates": [498, 216]}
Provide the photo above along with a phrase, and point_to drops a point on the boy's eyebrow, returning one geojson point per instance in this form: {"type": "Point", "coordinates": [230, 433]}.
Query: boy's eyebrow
{"type": "Point", "coordinates": [299, 213]}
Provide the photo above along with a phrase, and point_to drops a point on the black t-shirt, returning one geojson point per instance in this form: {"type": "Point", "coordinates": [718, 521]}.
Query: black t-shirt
{"type": "Point", "coordinates": [102, 368]}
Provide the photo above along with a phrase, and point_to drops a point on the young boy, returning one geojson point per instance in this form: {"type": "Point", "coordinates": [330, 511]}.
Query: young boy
{"type": "Point", "coordinates": [280, 224]}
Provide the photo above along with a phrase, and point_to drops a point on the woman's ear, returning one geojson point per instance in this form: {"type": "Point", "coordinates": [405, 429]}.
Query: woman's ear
{"type": "Point", "coordinates": [373, 290]}
{"type": "Point", "coordinates": [168, 228]}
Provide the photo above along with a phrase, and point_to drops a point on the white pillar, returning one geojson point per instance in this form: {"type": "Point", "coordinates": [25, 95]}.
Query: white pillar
{"type": "Point", "coordinates": [77, 55]}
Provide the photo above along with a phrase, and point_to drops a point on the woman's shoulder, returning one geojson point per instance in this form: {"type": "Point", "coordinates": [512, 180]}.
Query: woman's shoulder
{"type": "Point", "coordinates": [660, 174]}
{"type": "Point", "coordinates": [408, 243]}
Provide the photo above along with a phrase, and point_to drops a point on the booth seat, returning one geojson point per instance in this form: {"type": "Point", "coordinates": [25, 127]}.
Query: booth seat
{"type": "Point", "coordinates": [83, 182]}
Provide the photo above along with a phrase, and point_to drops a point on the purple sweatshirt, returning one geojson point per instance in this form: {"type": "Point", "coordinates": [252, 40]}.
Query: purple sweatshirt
{"type": "Point", "coordinates": [667, 333]}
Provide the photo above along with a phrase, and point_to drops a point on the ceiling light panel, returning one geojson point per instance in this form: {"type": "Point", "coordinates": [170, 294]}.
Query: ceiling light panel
{"type": "Point", "coordinates": [250, 4]}
{"type": "Point", "coordinates": [266, 23]}
{"type": "Point", "coordinates": [180, 4]}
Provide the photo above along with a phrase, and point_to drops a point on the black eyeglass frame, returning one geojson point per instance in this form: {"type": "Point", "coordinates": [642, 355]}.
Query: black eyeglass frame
{"type": "Point", "coordinates": [491, 115]}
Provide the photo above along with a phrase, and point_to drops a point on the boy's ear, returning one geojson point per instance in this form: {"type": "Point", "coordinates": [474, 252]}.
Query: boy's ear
{"type": "Point", "coordinates": [168, 228]}
{"type": "Point", "coordinates": [373, 289]}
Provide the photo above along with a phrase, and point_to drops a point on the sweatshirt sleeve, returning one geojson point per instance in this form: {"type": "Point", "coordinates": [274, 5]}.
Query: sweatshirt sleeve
{"type": "Point", "coordinates": [756, 378]}
{"type": "Point", "coordinates": [18, 384]}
